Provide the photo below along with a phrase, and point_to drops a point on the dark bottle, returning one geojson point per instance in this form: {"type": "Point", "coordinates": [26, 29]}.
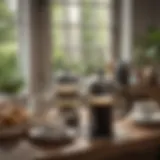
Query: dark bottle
{"type": "Point", "coordinates": [122, 73]}
{"type": "Point", "coordinates": [100, 103]}
{"type": "Point", "coordinates": [150, 76]}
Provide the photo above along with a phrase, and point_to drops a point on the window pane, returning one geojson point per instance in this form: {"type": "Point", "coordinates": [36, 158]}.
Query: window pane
{"type": "Point", "coordinates": [86, 28]}
{"type": "Point", "coordinates": [58, 37]}
{"type": "Point", "coordinates": [9, 66]}
{"type": "Point", "coordinates": [73, 14]}
{"type": "Point", "coordinates": [58, 13]}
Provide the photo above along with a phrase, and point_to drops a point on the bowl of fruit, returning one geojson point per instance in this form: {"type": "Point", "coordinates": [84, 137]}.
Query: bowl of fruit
{"type": "Point", "coordinates": [13, 120]}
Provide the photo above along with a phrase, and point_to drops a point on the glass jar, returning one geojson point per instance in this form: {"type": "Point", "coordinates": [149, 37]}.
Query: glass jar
{"type": "Point", "coordinates": [68, 98]}
{"type": "Point", "coordinates": [47, 126]}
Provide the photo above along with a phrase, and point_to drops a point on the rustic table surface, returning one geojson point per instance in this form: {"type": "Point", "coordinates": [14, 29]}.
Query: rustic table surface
{"type": "Point", "coordinates": [128, 137]}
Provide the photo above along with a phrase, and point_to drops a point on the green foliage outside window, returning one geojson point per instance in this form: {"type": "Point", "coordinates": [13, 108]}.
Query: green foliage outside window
{"type": "Point", "coordinates": [10, 80]}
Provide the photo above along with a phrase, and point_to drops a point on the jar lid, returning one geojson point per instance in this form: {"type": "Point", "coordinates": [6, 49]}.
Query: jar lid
{"type": "Point", "coordinates": [101, 86]}
{"type": "Point", "coordinates": [67, 78]}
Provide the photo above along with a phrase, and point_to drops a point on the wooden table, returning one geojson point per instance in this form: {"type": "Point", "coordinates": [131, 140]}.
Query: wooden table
{"type": "Point", "coordinates": [138, 91]}
{"type": "Point", "coordinates": [130, 142]}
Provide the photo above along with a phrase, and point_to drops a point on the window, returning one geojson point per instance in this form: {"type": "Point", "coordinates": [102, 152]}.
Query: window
{"type": "Point", "coordinates": [9, 81]}
{"type": "Point", "coordinates": [81, 34]}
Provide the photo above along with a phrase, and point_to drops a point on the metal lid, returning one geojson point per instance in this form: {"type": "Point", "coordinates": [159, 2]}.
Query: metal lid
{"type": "Point", "coordinates": [101, 86]}
{"type": "Point", "coordinates": [67, 78]}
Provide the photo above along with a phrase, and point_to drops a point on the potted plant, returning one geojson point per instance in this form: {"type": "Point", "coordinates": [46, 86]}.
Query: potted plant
{"type": "Point", "coordinates": [147, 51]}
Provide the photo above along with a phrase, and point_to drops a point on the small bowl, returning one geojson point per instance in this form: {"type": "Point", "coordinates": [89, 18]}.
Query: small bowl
{"type": "Point", "coordinates": [44, 137]}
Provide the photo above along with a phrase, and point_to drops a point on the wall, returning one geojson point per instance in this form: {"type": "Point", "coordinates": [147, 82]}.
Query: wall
{"type": "Point", "coordinates": [145, 13]}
